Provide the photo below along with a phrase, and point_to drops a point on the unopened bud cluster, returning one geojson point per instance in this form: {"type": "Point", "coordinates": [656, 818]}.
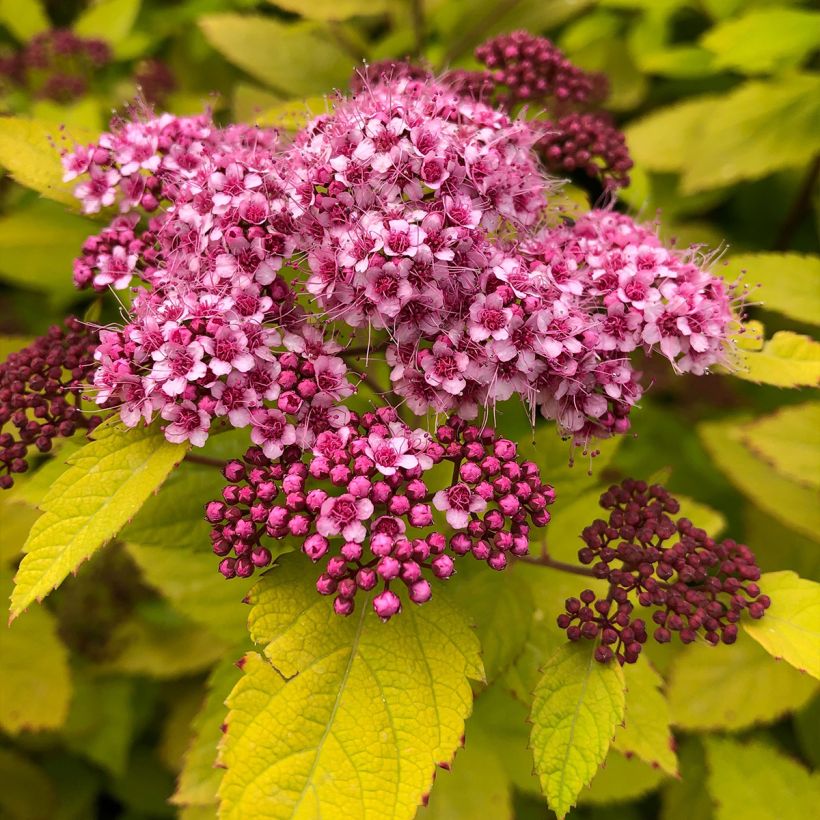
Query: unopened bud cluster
{"type": "Point", "coordinates": [40, 388]}
{"type": "Point", "coordinates": [695, 584]}
{"type": "Point", "coordinates": [362, 501]}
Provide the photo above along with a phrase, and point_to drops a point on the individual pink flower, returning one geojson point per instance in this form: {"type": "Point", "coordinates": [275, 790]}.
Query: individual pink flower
{"type": "Point", "coordinates": [444, 367]}
{"type": "Point", "coordinates": [271, 430]}
{"type": "Point", "coordinates": [330, 373]}
{"type": "Point", "coordinates": [457, 502]}
{"type": "Point", "coordinates": [389, 454]}
{"type": "Point", "coordinates": [188, 423]}
{"type": "Point", "coordinates": [176, 364]}
{"type": "Point", "coordinates": [489, 318]}
{"type": "Point", "coordinates": [343, 516]}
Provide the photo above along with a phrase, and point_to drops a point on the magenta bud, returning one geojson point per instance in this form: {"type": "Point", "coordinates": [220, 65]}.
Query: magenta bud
{"type": "Point", "coordinates": [299, 525]}
{"type": "Point", "coordinates": [380, 492]}
{"type": "Point", "coordinates": [359, 486]}
{"type": "Point", "coordinates": [389, 568]}
{"type": "Point", "coordinates": [343, 606]}
{"type": "Point", "coordinates": [398, 505]}
{"type": "Point", "coordinates": [315, 546]}
{"type": "Point", "coordinates": [470, 472]}
{"type": "Point", "coordinates": [481, 550]}
{"type": "Point", "coordinates": [337, 567]}
{"type": "Point", "coordinates": [496, 561]}
{"type": "Point", "coordinates": [410, 572]}
{"type": "Point", "coordinates": [346, 588]}
{"type": "Point", "coordinates": [366, 578]}
{"type": "Point", "coordinates": [420, 591]}
{"type": "Point", "coordinates": [214, 511]}
{"type": "Point", "coordinates": [325, 585]}
{"type": "Point", "coordinates": [261, 557]}
{"type": "Point", "coordinates": [443, 566]}
{"type": "Point", "coordinates": [234, 471]}
{"type": "Point", "coordinates": [386, 604]}
{"type": "Point", "coordinates": [504, 449]}
{"type": "Point", "coordinates": [227, 566]}
{"type": "Point", "coordinates": [340, 475]}
{"type": "Point", "coordinates": [381, 544]}
{"type": "Point", "coordinates": [437, 542]}
{"type": "Point", "coordinates": [314, 500]}
{"type": "Point", "coordinates": [351, 551]}
{"type": "Point", "coordinates": [461, 543]}
{"type": "Point", "coordinates": [420, 515]}
{"type": "Point", "coordinates": [509, 505]}
{"type": "Point", "coordinates": [244, 567]}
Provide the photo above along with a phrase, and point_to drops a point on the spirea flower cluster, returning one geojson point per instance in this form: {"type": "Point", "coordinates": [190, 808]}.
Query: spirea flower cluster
{"type": "Point", "coordinates": [694, 584]}
{"type": "Point", "coordinates": [40, 395]}
{"type": "Point", "coordinates": [361, 501]}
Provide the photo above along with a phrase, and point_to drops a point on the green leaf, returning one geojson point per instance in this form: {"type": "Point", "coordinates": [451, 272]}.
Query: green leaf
{"type": "Point", "coordinates": [646, 731]}
{"type": "Point", "coordinates": [109, 20]}
{"type": "Point", "coordinates": [759, 128]}
{"type": "Point", "coordinates": [35, 681]}
{"type": "Point", "coordinates": [764, 40]}
{"type": "Point", "coordinates": [679, 61]}
{"type": "Point", "coordinates": [29, 150]}
{"type": "Point", "coordinates": [344, 717]}
{"type": "Point", "coordinates": [333, 9]}
{"type": "Point", "coordinates": [293, 114]}
{"type": "Point", "coordinates": [789, 440]}
{"type": "Point", "coordinates": [805, 724]}
{"type": "Point", "coordinates": [107, 482]}
{"type": "Point", "coordinates": [18, 519]}
{"type": "Point", "coordinates": [786, 360]}
{"type": "Point", "coordinates": [577, 706]}
{"type": "Point", "coordinates": [754, 781]}
{"type": "Point", "coordinates": [621, 779]}
{"type": "Point", "coordinates": [791, 504]}
{"type": "Point", "coordinates": [100, 722]}
{"type": "Point", "coordinates": [790, 629]}
{"type": "Point", "coordinates": [37, 246]}
{"type": "Point", "coordinates": [295, 58]}
{"type": "Point", "coordinates": [27, 793]}
{"type": "Point", "coordinates": [199, 779]}
{"type": "Point", "coordinates": [184, 704]}
{"type": "Point", "coordinates": [731, 687]}
{"type": "Point", "coordinates": [11, 344]}
{"type": "Point", "coordinates": [788, 283]}
{"type": "Point", "coordinates": [500, 606]}
{"type": "Point", "coordinates": [24, 18]}
{"type": "Point", "coordinates": [686, 799]}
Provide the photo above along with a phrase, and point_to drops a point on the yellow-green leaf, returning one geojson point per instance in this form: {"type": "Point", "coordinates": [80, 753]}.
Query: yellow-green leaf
{"type": "Point", "coordinates": [788, 502]}
{"type": "Point", "coordinates": [296, 58]}
{"type": "Point", "coordinates": [763, 40]}
{"type": "Point", "coordinates": [686, 799]}
{"type": "Point", "coordinates": [109, 20]}
{"type": "Point", "coordinates": [754, 781]}
{"type": "Point", "coordinates": [27, 792]}
{"type": "Point", "coordinates": [35, 682]}
{"type": "Point", "coordinates": [293, 114]}
{"type": "Point", "coordinates": [789, 440]}
{"type": "Point", "coordinates": [788, 283]}
{"type": "Point", "coordinates": [333, 9]}
{"type": "Point", "coordinates": [620, 779]}
{"type": "Point", "coordinates": [646, 731]}
{"type": "Point", "coordinates": [344, 717]}
{"type": "Point", "coordinates": [29, 150]}
{"type": "Point", "coordinates": [199, 779]}
{"type": "Point", "coordinates": [786, 360]}
{"type": "Point", "coordinates": [732, 687]}
{"type": "Point", "coordinates": [759, 128]}
{"type": "Point", "coordinates": [24, 18]}
{"type": "Point", "coordinates": [577, 706]}
{"type": "Point", "coordinates": [790, 629]}
{"type": "Point", "coordinates": [108, 481]}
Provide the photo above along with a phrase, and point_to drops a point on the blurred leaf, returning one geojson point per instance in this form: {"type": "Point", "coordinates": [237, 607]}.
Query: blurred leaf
{"type": "Point", "coordinates": [29, 150]}
{"type": "Point", "coordinates": [86, 114]}
{"type": "Point", "coordinates": [343, 716]}
{"type": "Point", "coordinates": [108, 20]}
{"type": "Point", "coordinates": [790, 629]}
{"type": "Point", "coordinates": [76, 785]}
{"type": "Point", "coordinates": [628, 86]}
{"type": "Point", "coordinates": [107, 482]}
{"type": "Point", "coordinates": [755, 781]}
{"type": "Point", "coordinates": [500, 606]}
{"type": "Point", "coordinates": [27, 793]}
{"type": "Point", "coordinates": [18, 520]}
{"type": "Point", "coordinates": [686, 799]}
{"type": "Point", "coordinates": [577, 706]}
{"type": "Point", "coordinates": [759, 128]}
{"type": "Point", "coordinates": [805, 724]}
{"type": "Point", "coordinates": [730, 687]}
{"type": "Point", "coordinates": [646, 731]}
{"type": "Point", "coordinates": [35, 681]}
{"type": "Point", "coordinates": [793, 505]}
{"type": "Point", "coordinates": [145, 787]}
{"type": "Point", "coordinates": [764, 40]}
{"type": "Point", "coordinates": [786, 360]}
{"type": "Point", "coordinates": [11, 344]}
{"type": "Point", "coordinates": [679, 62]}
{"type": "Point", "coordinates": [296, 58]}
{"type": "Point", "coordinates": [789, 440]}
{"type": "Point", "coordinates": [185, 703]}
{"type": "Point", "coordinates": [788, 283]}
{"type": "Point", "coordinates": [100, 722]}
{"type": "Point", "coordinates": [24, 18]}
{"type": "Point", "coordinates": [333, 9]}
{"type": "Point", "coordinates": [778, 547]}
{"type": "Point", "coordinates": [199, 779]}
{"type": "Point", "coordinates": [293, 114]}
{"type": "Point", "coordinates": [249, 101]}
{"type": "Point", "coordinates": [37, 246]}
{"type": "Point", "coordinates": [620, 779]}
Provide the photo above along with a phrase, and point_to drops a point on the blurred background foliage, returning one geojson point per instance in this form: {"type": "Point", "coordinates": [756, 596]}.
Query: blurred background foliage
{"type": "Point", "coordinates": [101, 690]}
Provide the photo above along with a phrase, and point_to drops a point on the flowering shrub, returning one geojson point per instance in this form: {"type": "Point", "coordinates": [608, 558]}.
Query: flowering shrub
{"type": "Point", "coordinates": [331, 365]}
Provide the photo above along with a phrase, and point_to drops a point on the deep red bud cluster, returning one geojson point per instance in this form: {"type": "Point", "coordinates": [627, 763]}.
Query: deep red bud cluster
{"type": "Point", "coordinates": [696, 585]}
{"type": "Point", "coordinates": [362, 503]}
{"type": "Point", "coordinates": [40, 388]}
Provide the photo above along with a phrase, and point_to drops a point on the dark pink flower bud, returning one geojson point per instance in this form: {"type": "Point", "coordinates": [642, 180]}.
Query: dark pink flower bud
{"type": "Point", "coordinates": [420, 591]}
{"type": "Point", "coordinates": [386, 604]}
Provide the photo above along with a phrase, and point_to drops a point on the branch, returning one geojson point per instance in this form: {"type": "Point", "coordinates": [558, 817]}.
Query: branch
{"type": "Point", "coordinates": [799, 208]}
{"type": "Point", "coordinates": [551, 563]}
{"type": "Point", "coordinates": [204, 461]}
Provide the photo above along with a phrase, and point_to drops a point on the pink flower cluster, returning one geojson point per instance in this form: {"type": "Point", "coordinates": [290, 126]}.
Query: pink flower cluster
{"type": "Point", "coordinates": [359, 501]}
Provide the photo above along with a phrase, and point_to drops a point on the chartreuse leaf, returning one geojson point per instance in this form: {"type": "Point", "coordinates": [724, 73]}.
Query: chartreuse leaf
{"type": "Point", "coordinates": [646, 733]}
{"type": "Point", "coordinates": [789, 440]}
{"type": "Point", "coordinates": [108, 481]}
{"type": "Point", "coordinates": [577, 706]}
{"type": "Point", "coordinates": [790, 629]}
{"type": "Point", "coordinates": [29, 150]}
{"type": "Point", "coordinates": [35, 681]}
{"type": "Point", "coordinates": [786, 360]}
{"type": "Point", "coordinates": [764, 40]}
{"type": "Point", "coordinates": [24, 18]}
{"type": "Point", "coordinates": [199, 778]}
{"type": "Point", "coordinates": [621, 779]}
{"type": "Point", "coordinates": [343, 717]}
{"type": "Point", "coordinates": [730, 687]}
{"type": "Point", "coordinates": [686, 799]}
{"type": "Point", "coordinates": [760, 128]}
{"type": "Point", "coordinates": [109, 20]}
{"type": "Point", "coordinates": [754, 781]}
{"type": "Point", "coordinates": [27, 792]}
{"type": "Point", "coordinates": [790, 503]}
{"type": "Point", "coordinates": [333, 9]}
{"type": "Point", "coordinates": [293, 114]}
{"type": "Point", "coordinates": [805, 724]}
{"type": "Point", "coordinates": [296, 58]}
{"type": "Point", "coordinates": [788, 283]}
